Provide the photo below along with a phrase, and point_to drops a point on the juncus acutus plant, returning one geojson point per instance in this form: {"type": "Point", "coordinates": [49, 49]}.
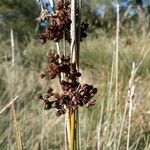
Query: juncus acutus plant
{"type": "Point", "coordinates": [64, 24]}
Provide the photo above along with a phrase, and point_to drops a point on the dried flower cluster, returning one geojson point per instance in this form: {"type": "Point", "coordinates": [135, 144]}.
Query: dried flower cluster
{"type": "Point", "coordinates": [73, 93]}
{"type": "Point", "coordinates": [60, 24]}
{"type": "Point", "coordinates": [60, 64]}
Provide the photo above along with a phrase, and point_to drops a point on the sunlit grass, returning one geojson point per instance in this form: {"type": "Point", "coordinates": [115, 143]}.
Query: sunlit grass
{"type": "Point", "coordinates": [40, 128]}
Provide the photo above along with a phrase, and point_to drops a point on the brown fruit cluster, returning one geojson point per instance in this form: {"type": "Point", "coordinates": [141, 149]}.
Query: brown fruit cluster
{"type": "Point", "coordinates": [60, 24]}
{"type": "Point", "coordinates": [73, 93]}
{"type": "Point", "coordinates": [60, 64]}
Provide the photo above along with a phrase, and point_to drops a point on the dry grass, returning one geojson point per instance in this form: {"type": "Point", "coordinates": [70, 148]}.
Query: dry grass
{"type": "Point", "coordinates": [43, 130]}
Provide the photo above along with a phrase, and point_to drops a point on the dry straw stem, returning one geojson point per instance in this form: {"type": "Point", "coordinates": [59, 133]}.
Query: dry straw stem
{"type": "Point", "coordinates": [73, 31]}
{"type": "Point", "coordinates": [67, 129]}
{"type": "Point", "coordinates": [116, 71]}
{"type": "Point", "coordinates": [8, 105]}
{"type": "Point", "coordinates": [17, 130]}
{"type": "Point", "coordinates": [100, 128]}
{"type": "Point", "coordinates": [79, 8]}
{"type": "Point", "coordinates": [73, 52]}
{"type": "Point", "coordinates": [130, 95]}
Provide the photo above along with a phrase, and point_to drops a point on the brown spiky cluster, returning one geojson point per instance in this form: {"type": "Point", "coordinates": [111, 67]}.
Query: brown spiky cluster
{"type": "Point", "coordinates": [60, 64]}
{"type": "Point", "coordinates": [73, 93]}
{"type": "Point", "coordinates": [60, 24]}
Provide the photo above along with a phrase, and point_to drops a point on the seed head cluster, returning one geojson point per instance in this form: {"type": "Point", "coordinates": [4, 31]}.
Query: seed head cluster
{"type": "Point", "coordinates": [73, 93]}
{"type": "Point", "coordinates": [60, 24]}
{"type": "Point", "coordinates": [58, 65]}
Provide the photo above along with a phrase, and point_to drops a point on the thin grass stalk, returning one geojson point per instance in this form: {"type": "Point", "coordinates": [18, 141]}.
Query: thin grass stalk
{"type": "Point", "coordinates": [73, 31]}
{"type": "Point", "coordinates": [130, 95]}
{"type": "Point", "coordinates": [116, 69]}
{"type": "Point", "coordinates": [58, 49]}
{"type": "Point", "coordinates": [73, 52]}
{"type": "Point", "coordinates": [147, 143]}
{"type": "Point", "coordinates": [78, 22]}
{"type": "Point", "coordinates": [100, 127]}
{"type": "Point", "coordinates": [67, 130]}
{"type": "Point", "coordinates": [110, 99]}
{"type": "Point", "coordinates": [110, 104]}
{"type": "Point", "coordinates": [122, 125]}
{"type": "Point", "coordinates": [136, 143]}
{"type": "Point", "coordinates": [67, 120]}
{"type": "Point", "coordinates": [42, 132]}
{"type": "Point", "coordinates": [59, 52]}
{"type": "Point", "coordinates": [17, 130]}
{"type": "Point", "coordinates": [73, 136]}
{"type": "Point", "coordinates": [8, 105]}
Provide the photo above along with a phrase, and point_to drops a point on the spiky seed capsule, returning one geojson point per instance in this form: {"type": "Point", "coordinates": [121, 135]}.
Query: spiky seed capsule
{"type": "Point", "coordinates": [74, 94]}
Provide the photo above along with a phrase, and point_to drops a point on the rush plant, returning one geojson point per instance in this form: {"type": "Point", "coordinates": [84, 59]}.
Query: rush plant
{"type": "Point", "coordinates": [65, 26]}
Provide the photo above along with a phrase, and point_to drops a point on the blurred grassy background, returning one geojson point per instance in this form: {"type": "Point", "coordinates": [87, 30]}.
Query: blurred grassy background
{"type": "Point", "coordinates": [42, 130]}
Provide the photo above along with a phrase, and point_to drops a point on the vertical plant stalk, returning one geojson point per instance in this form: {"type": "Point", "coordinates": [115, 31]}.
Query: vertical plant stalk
{"type": "Point", "coordinates": [116, 69]}
{"type": "Point", "coordinates": [73, 128]}
{"type": "Point", "coordinates": [122, 125]}
{"type": "Point", "coordinates": [75, 49]}
{"type": "Point", "coordinates": [73, 31]}
{"type": "Point", "coordinates": [130, 98]}
{"type": "Point", "coordinates": [110, 93]}
{"type": "Point", "coordinates": [67, 131]}
{"type": "Point", "coordinates": [100, 127]}
{"type": "Point", "coordinates": [74, 94]}
{"type": "Point", "coordinates": [17, 130]}
{"type": "Point", "coordinates": [128, 104]}
{"type": "Point", "coordinates": [73, 53]}
{"type": "Point", "coordinates": [78, 22]}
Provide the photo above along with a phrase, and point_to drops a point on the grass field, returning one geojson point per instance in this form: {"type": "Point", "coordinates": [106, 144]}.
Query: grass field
{"type": "Point", "coordinates": [105, 125]}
